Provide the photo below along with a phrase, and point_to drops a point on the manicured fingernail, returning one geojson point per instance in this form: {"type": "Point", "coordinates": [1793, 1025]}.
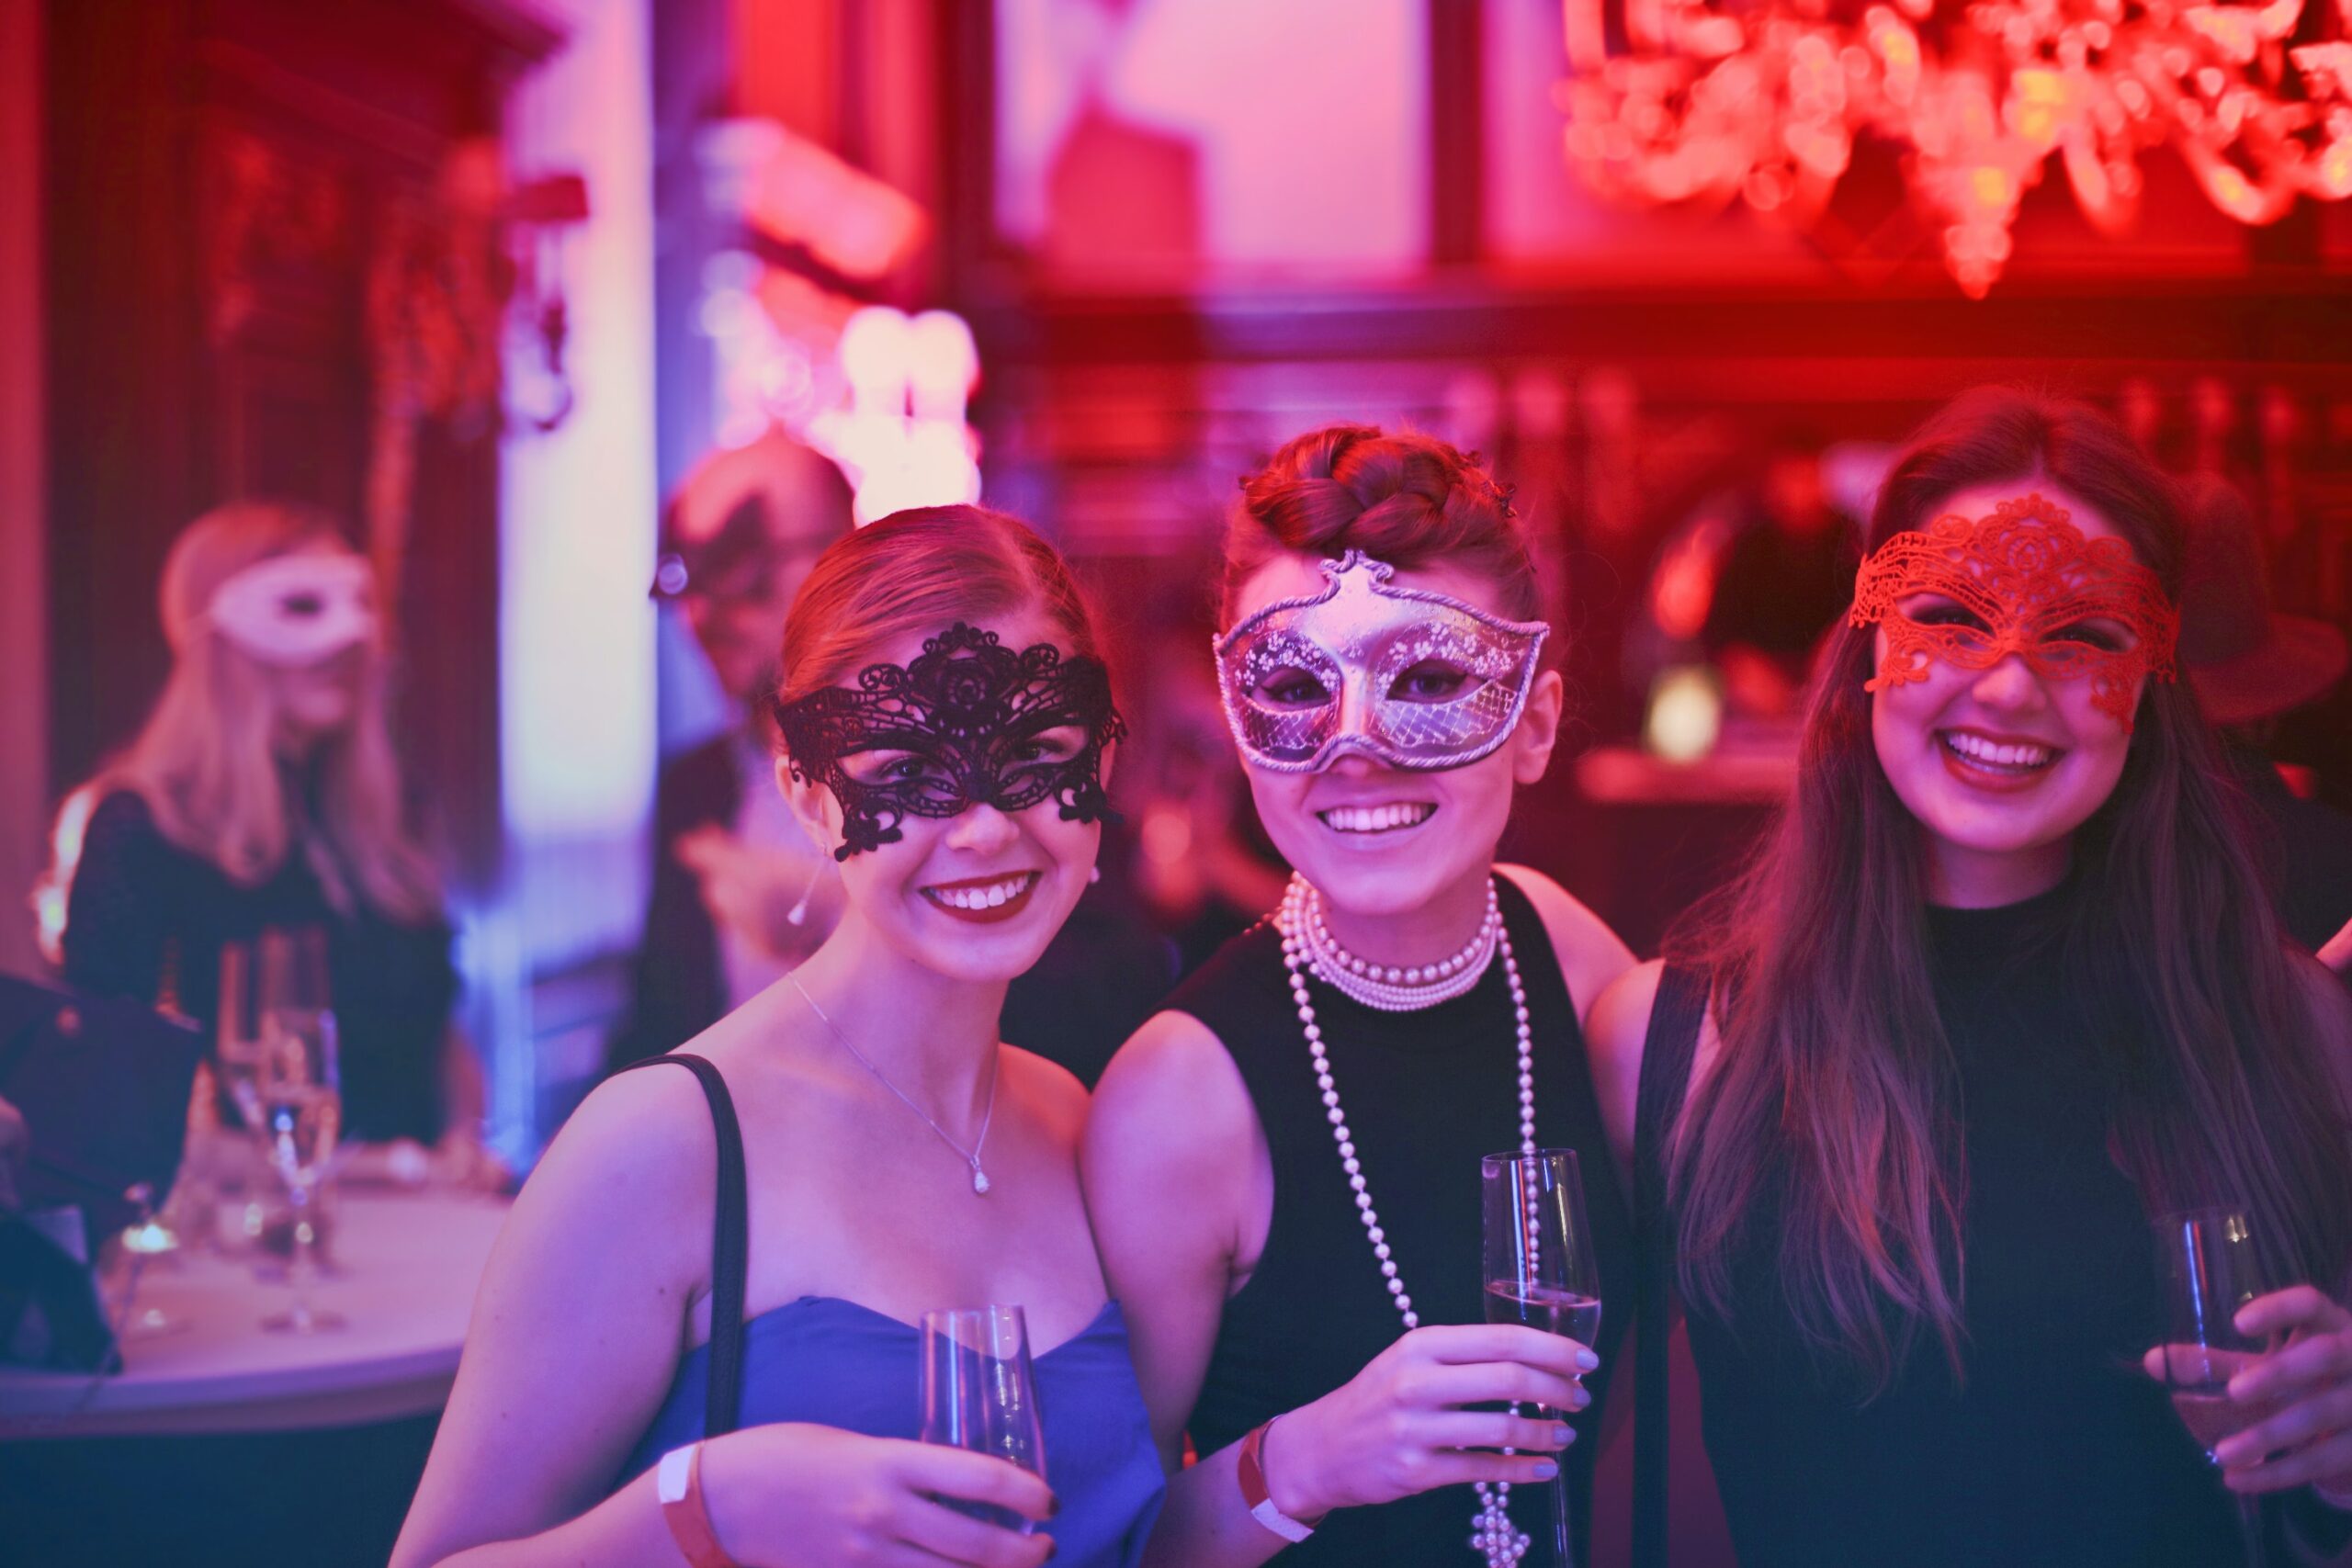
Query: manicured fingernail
{"type": "Point", "coordinates": [1563, 1434]}
{"type": "Point", "coordinates": [1546, 1469]}
{"type": "Point", "coordinates": [1587, 1359]}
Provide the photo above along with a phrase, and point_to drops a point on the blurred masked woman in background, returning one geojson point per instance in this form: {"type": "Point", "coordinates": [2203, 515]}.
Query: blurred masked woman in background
{"type": "Point", "coordinates": [262, 795]}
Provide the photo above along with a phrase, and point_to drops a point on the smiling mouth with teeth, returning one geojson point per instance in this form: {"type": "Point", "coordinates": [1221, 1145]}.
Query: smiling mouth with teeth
{"type": "Point", "coordinates": [2019, 758]}
{"type": "Point", "coordinates": [980, 897]}
{"type": "Point", "coordinates": [1376, 818]}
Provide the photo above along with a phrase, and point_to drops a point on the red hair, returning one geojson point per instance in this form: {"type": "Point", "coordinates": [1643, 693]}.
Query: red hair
{"type": "Point", "coordinates": [1408, 499]}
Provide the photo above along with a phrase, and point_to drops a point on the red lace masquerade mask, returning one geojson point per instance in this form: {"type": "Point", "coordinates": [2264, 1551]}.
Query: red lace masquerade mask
{"type": "Point", "coordinates": [2023, 580]}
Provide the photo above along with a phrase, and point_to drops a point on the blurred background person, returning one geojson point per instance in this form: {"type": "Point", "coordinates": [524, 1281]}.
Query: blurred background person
{"type": "Point", "coordinates": [740, 896]}
{"type": "Point", "coordinates": [1786, 577]}
{"type": "Point", "coordinates": [2250, 666]}
{"type": "Point", "coordinates": [262, 795]}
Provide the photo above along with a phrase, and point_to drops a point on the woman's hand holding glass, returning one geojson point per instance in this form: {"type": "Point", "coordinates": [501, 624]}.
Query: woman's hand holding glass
{"type": "Point", "coordinates": [1397, 1428]}
{"type": "Point", "coordinates": [2303, 1386]}
{"type": "Point", "coordinates": [793, 1493]}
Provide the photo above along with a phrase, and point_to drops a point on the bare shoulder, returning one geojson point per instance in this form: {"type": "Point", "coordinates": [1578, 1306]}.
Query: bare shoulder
{"type": "Point", "coordinates": [1050, 1091]}
{"type": "Point", "coordinates": [1172, 1073]}
{"type": "Point", "coordinates": [1614, 1035]}
{"type": "Point", "coordinates": [1591, 955]}
{"type": "Point", "coordinates": [1171, 1124]}
{"type": "Point", "coordinates": [638, 1152]}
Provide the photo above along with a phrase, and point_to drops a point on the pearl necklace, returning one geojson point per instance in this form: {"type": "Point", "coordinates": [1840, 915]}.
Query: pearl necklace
{"type": "Point", "coordinates": [1492, 1532]}
{"type": "Point", "coordinates": [1387, 986]}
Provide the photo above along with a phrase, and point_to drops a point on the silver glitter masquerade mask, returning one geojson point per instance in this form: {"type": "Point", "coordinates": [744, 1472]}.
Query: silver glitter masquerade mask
{"type": "Point", "coordinates": [1409, 678]}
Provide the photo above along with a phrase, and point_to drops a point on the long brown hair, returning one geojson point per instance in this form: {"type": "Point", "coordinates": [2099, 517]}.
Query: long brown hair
{"type": "Point", "coordinates": [1835, 1075]}
{"type": "Point", "coordinates": [205, 764]}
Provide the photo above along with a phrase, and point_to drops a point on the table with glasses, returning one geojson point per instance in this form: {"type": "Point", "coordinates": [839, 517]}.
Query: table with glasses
{"type": "Point", "coordinates": [311, 1443]}
{"type": "Point", "coordinates": [403, 1279]}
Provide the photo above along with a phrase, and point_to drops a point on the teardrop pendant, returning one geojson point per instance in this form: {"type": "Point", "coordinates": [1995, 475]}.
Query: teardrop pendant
{"type": "Point", "coordinates": [980, 1179]}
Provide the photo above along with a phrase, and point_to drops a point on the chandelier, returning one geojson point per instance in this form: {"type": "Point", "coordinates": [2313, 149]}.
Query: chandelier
{"type": "Point", "coordinates": [1673, 101]}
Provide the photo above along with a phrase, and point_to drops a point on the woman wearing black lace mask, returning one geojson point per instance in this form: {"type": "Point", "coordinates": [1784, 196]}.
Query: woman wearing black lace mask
{"type": "Point", "coordinates": [947, 725]}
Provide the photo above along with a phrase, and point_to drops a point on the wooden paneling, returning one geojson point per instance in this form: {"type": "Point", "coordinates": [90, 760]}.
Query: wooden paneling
{"type": "Point", "coordinates": [226, 181]}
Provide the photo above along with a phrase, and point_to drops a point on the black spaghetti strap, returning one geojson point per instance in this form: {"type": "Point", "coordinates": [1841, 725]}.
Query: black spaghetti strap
{"type": "Point", "coordinates": [1667, 1054]}
{"type": "Point", "coordinates": [730, 1246]}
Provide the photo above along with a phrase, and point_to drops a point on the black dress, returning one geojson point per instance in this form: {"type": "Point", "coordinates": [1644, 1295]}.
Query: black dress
{"type": "Point", "coordinates": [144, 913]}
{"type": "Point", "coordinates": [2056, 1448]}
{"type": "Point", "coordinates": [1427, 1095]}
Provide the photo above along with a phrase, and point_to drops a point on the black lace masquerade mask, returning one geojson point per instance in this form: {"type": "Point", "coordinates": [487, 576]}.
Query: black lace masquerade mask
{"type": "Point", "coordinates": [968, 714]}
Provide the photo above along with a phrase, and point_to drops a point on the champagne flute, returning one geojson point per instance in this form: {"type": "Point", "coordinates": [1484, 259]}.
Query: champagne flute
{"type": "Point", "coordinates": [1540, 1269]}
{"type": "Point", "coordinates": [979, 1393]}
{"type": "Point", "coordinates": [300, 1087]}
{"type": "Point", "coordinates": [2211, 1268]}
{"type": "Point", "coordinates": [237, 1044]}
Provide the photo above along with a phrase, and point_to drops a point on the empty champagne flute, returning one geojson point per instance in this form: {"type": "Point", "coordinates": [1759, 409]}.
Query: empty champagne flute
{"type": "Point", "coordinates": [1540, 1269]}
{"type": "Point", "coordinates": [979, 1393]}
{"type": "Point", "coordinates": [2209, 1266]}
{"type": "Point", "coordinates": [300, 1088]}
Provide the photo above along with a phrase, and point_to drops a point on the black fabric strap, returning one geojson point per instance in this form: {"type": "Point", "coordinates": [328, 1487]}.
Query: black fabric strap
{"type": "Point", "coordinates": [1667, 1054]}
{"type": "Point", "coordinates": [730, 1246]}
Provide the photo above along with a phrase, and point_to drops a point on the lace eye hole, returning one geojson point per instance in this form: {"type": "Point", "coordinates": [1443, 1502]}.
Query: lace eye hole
{"type": "Point", "coordinates": [2101, 634]}
{"type": "Point", "coordinates": [883, 769]}
{"type": "Point", "coordinates": [302, 606]}
{"type": "Point", "coordinates": [1937, 611]}
{"type": "Point", "coordinates": [1431, 680]}
{"type": "Point", "coordinates": [1053, 746]}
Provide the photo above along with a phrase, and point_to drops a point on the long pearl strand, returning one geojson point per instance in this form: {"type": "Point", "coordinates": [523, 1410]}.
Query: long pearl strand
{"type": "Point", "coordinates": [1492, 1532]}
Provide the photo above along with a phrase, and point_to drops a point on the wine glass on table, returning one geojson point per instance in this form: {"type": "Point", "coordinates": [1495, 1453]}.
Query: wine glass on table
{"type": "Point", "coordinates": [980, 1393]}
{"type": "Point", "coordinates": [2211, 1268]}
{"type": "Point", "coordinates": [300, 1090]}
{"type": "Point", "coordinates": [1540, 1269]}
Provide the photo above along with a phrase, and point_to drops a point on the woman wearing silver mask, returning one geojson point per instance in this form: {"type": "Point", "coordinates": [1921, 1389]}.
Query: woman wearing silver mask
{"type": "Point", "coordinates": [1283, 1168]}
{"type": "Point", "coordinates": [865, 1148]}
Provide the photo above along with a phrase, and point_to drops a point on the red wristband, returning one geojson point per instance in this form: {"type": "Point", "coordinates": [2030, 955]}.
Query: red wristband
{"type": "Point", "coordinates": [1257, 1497]}
{"type": "Point", "coordinates": [678, 1483]}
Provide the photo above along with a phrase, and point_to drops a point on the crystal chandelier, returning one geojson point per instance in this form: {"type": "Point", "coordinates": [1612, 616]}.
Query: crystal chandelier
{"type": "Point", "coordinates": [1700, 100]}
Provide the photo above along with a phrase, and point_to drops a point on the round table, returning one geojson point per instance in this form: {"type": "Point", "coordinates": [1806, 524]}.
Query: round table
{"type": "Point", "coordinates": [406, 1265]}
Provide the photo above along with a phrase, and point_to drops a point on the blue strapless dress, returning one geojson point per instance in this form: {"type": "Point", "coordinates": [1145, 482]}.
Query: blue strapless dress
{"type": "Point", "coordinates": [834, 1363]}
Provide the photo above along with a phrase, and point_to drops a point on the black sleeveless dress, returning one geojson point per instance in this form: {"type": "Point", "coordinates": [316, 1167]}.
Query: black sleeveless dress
{"type": "Point", "coordinates": [2056, 1448]}
{"type": "Point", "coordinates": [1427, 1095]}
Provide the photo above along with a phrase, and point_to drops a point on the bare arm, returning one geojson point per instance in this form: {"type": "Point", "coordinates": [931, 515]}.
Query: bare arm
{"type": "Point", "coordinates": [1174, 1165]}
{"type": "Point", "coordinates": [577, 1329]}
{"type": "Point", "coordinates": [1170, 1162]}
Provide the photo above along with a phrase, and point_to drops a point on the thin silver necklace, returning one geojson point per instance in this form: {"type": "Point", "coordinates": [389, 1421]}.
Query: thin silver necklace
{"type": "Point", "coordinates": [970, 1157]}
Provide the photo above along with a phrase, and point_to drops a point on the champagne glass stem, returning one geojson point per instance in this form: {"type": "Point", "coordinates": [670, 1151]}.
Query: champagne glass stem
{"type": "Point", "coordinates": [2250, 1530]}
{"type": "Point", "coordinates": [1563, 1543]}
{"type": "Point", "coordinates": [303, 1266]}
